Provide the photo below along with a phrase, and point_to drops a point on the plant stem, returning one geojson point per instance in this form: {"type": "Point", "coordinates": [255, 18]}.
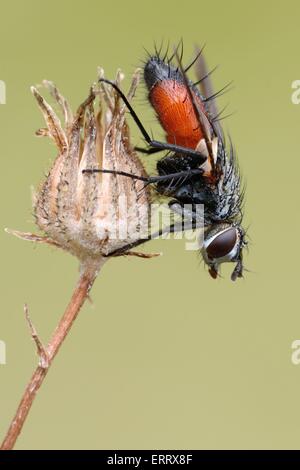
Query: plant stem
{"type": "Point", "coordinates": [89, 272]}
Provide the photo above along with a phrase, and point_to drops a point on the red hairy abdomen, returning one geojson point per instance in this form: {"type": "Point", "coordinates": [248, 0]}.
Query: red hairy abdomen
{"type": "Point", "coordinates": [176, 114]}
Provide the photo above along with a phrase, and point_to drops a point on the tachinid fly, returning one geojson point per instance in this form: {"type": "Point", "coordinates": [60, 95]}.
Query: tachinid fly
{"type": "Point", "coordinates": [197, 168]}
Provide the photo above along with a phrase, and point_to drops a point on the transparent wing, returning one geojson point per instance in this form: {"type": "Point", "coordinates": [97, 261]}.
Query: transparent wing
{"type": "Point", "coordinates": [206, 88]}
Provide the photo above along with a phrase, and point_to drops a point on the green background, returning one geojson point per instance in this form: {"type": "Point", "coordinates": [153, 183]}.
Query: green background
{"type": "Point", "coordinates": [165, 357]}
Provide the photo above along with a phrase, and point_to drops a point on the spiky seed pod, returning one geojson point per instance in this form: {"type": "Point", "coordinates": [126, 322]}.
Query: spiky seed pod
{"type": "Point", "coordinates": [90, 215]}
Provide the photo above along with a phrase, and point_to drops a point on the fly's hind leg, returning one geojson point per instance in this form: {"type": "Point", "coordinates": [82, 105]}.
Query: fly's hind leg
{"type": "Point", "coordinates": [153, 144]}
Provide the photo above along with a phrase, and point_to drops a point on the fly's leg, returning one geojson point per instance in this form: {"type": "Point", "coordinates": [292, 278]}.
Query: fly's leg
{"type": "Point", "coordinates": [148, 151]}
{"type": "Point", "coordinates": [173, 228]}
{"type": "Point", "coordinates": [154, 144]}
{"type": "Point", "coordinates": [238, 270]}
{"type": "Point", "coordinates": [149, 179]}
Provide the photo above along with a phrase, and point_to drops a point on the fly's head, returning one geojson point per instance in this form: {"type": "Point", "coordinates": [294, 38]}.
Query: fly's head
{"type": "Point", "coordinates": [224, 243]}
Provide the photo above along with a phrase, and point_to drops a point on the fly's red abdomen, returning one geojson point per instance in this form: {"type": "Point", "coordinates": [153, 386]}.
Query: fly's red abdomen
{"type": "Point", "coordinates": [174, 108]}
{"type": "Point", "coordinates": [172, 102]}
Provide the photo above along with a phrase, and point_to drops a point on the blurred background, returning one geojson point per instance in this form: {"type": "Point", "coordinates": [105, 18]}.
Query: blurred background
{"type": "Point", "coordinates": [165, 357]}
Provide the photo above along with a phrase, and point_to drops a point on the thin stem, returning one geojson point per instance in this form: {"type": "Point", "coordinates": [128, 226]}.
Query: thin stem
{"type": "Point", "coordinates": [88, 275]}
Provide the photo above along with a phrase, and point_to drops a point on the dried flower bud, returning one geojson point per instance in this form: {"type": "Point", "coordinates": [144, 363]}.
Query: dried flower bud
{"type": "Point", "coordinates": [90, 215]}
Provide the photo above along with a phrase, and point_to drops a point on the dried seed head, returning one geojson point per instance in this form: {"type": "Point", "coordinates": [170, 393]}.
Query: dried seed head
{"type": "Point", "coordinates": [91, 215]}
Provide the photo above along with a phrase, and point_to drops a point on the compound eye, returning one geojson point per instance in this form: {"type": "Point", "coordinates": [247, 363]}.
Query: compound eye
{"type": "Point", "coordinates": [222, 244]}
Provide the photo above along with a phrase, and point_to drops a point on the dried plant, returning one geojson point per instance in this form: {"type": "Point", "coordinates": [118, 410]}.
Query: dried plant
{"type": "Point", "coordinates": [82, 213]}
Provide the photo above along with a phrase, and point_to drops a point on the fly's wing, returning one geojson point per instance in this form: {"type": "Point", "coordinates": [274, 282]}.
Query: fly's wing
{"type": "Point", "coordinates": [207, 91]}
{"type": "Point", "coordinates": [231, 197]}
{"type": "Point", "coordinates": [207, 145]}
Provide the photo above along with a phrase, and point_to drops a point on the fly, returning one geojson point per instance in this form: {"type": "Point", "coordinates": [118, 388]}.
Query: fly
{"type": "Point", "coordinates": [197, 169]}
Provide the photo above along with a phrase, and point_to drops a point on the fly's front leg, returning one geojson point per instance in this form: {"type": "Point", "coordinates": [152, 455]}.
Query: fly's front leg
{"type": "Point", "coordinates": [138, 254]}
